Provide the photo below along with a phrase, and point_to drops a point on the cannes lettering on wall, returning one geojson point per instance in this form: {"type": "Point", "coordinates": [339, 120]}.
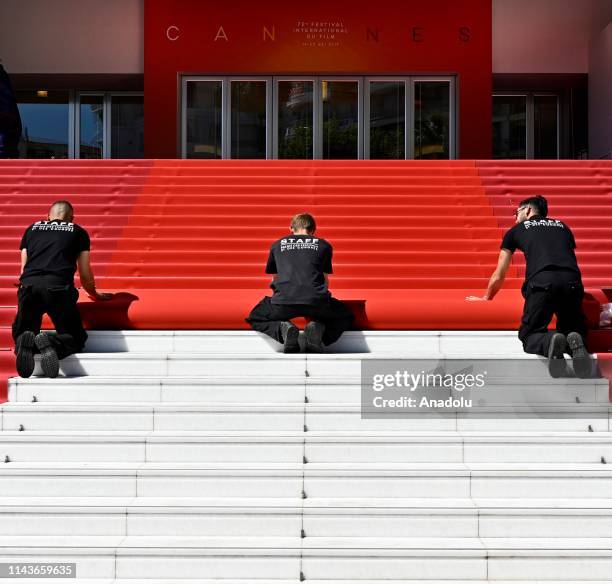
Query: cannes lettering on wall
{"type": "Point", "coordinates": [328, 31]}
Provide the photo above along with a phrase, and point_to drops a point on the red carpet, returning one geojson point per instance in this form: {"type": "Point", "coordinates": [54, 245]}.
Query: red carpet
{"type": "Point", "coordinates": [187, 240]}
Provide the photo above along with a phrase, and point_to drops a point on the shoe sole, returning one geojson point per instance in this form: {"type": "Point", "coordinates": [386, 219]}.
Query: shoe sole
{"type": "Point", "coordinates": [291, 344]}
{"type": "Point", "coordinates": [556, 361]}
{"type": "Point", "coordinates": [48, 357]}
{"type": "Point", "coordinates": [313, 336]}
{"type": "Point", "coordinates": [581, 359]}
{"type": "Point", "coordinates": [24, 362]}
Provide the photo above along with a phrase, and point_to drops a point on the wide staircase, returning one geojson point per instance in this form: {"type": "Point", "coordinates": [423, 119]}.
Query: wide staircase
{"type": "Point", "coordinates": [181, 446]}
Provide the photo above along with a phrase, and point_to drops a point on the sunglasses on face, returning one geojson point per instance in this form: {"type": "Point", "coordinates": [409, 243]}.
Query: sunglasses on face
{"type": "Point", "coordinates": [519, 210]}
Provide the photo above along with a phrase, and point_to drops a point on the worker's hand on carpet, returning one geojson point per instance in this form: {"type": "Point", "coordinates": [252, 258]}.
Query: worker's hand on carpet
{"type": "Point", "coordinates": [101, 296]}
{"type": "Point", "coordinates": [476, 298]}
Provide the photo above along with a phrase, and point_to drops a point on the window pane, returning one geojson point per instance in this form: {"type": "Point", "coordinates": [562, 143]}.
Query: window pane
{"type": "Point", "coordinates": [248, 128]}
{"type": "Point", "coordinates": [295, 107]}
{"type": "Point", "coordinates": [432, 119]}
{"type": "Point", "coordinates": [340, 119]}
{"type": "Point", "coordinates": [45, 124]}
{"type": "Point", "coordinates": [509, 126]}
{"type": "Point", "coordinates": [127, 126]}
{"type": "Point", "coordinates": [545, 130]}
{"type": "Point", "coordinates": [91, 123]}
{"type": "Point", "coordinates": [204, 119]}
{"type": "Point", "coordinates": [387, 120]}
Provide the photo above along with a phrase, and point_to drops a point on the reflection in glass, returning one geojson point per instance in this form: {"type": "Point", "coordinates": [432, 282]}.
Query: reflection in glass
{"type": "Point", "coordinates": [295, 108]}
{"type": "Point", "coordinates": [387, 120]}
{"type": "Point", "coordinates": [45, 124]}
{"type": "Point", "coordinates": [509, 126]}
{"type": "Point", "coordinates": [248, 117]}
{"type": "Point", "coordinates": [127, 126]}
{"type": "Point", "coordinates": [204, 119]}
{"type": "Point", "coordinates": [545, 126]}
{"type": "Point", "coordinates": [91, 126]}
{"type": "Point", "coordinates": [340, 119]}
{"type": "Point", "coordinates": [432, 119]}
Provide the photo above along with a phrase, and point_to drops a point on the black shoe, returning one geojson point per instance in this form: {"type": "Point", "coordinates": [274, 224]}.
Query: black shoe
{"type": "Point", "coordinates": [313, 337]}
{"type": "Point", "coordinates": [556, 360]}
{"type": "Point", "coordinates": [48, 357]}
{"type": "Point", "coordinates": [580, 357]}
{"type": "Point", "coordinates": [24, 348]}
{"type": "Point", "coordinates": [291, 334]}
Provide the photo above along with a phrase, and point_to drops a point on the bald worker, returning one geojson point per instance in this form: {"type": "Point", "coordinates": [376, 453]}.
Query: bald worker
{"type": "Point", "coordinates": [50, 253]}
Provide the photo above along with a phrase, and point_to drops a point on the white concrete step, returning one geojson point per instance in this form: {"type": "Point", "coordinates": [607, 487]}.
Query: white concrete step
{"type": "Point", "coordinates": [144, 557]}
{"type": "Point", "coordinates": [277, 581]}
{"type": "Point", "coordinates": [513, 391]}
{"type": "Point", "coordinates": [237, 517]}
{"type": "Point", "coordinates": [281, 390]}
{"type": "Point", "coordinates": [518, 481]}
{"type": "Point", "coordinates": [168, 416]}
{"type": "Point", "coordinates": [325, 447]}
{"type": "Point", "coordinates": [159, 363]}
{"type": "Point", "coordinates": [504, 343]}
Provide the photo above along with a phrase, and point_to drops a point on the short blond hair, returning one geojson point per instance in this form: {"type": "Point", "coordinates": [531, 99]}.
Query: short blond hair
{"type": "Point", "coordinates": [303, 221]}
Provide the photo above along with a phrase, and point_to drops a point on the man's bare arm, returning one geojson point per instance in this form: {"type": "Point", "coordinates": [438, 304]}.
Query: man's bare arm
{"type": "Point", "coordinates": [497, 278]}
{"type": "Point", "coordinates": [24, 258]}
{"type": "Point", "coordinates": [87, 278]}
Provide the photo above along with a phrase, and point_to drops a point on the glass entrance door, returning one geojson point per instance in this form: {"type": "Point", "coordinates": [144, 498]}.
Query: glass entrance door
{"type": "Point", "coordinates": [341, 119]}
{"type": "Point", "coordinates": [294, 119]}
{"type": "Point", "coordinates": [318, 117]}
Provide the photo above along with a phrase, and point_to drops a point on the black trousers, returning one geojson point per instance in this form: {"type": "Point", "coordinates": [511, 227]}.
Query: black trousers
{"type": "Point", "coordinates": [549, 293]}
{"type": "Point", "coordinates": [44, 295]}
{"type": "Point", "coordinates": [334, 314]}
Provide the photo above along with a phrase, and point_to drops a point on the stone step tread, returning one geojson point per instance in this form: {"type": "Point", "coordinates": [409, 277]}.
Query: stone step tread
{"type": "Point", "coordinates": [340, 407]}
{"type": "Point", "coordinates": [321, 468]}
{"type": "Point", "coordinates": [391, 546]}
{"type": "Point", "coordinates": [363, 505]}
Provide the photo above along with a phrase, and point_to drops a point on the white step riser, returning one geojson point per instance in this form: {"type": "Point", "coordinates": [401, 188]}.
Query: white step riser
{"type": "Point", "coordinates": [290, 487]}
{"type": "Point", "coordinates": [320, 366]}
{"type": "Point", "coordinates": [182, 366]}
{"type": "Point", "coordinates": [293, 421]}
{"type": "Point", "coordinates": [550, 568]}
{"type": "Point", "coordinates": [52, 485]}
{"type": "Point", "coordinates": [244, 342]}
{"type": "Point", "coordinates": [203, 394]}
{"type": "Point", "coordinates": [290, 524]}
{"type": "Point", "coordinates": [130, 566]}
{"type": "Point", "coordinates": [160, 452]}
{"type": "Point", "coordinates": [457, 452]}
{"type": "Point", "coordinates": [167, 390]}
{"type": "Point", "coordinates": [327, 452]}
{"type": "Point", "coordinates": [258, 421]}
{"type": "Point", "coordinates": [328, 568]}
{"type": "Point", "coordinates": [536, 488]}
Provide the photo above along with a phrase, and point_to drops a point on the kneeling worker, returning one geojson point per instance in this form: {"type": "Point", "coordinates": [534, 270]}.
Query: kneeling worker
{"type": "Point", "coordinates": [552, 286]}
{"type": "Point", "coordinates": [50, 252]}
{"type": "Point", "coordinates": [300, 264]}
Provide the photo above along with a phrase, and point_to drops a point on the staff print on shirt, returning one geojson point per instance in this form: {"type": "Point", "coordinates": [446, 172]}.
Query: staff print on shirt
{"type": "Point", "coordinates": [53, 226]}
{"type": "Point", "coordinates": [291, 243]}
{"type": "Point", "coordinates": [543, 223]}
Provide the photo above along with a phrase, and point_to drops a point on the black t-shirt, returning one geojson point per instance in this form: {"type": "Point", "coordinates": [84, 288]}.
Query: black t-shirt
{"type": "Point", "coordinates": [299, 262]}
{"type": "Point", "coordinates": [53, 248]}
{"type": "Point", "coordinates": [547, 244]}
